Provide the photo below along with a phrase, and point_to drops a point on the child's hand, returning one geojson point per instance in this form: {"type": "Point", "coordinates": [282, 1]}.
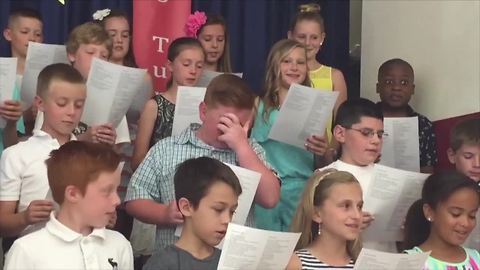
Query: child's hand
{"type": "Point", "coordinates": [38, 211]}
{"type": "Point", "coordinates": [234, 134]}
{"type": "Point", "coordinates": [104, 134]}
{"type": "Point", "coordinates": [316, 144]}
{"type": "Point", "coordinates": [367, 218]}
{"type": "Point", "coordinates": [174, 215]}
{"type": "Point", "coordinates": [112, 221]}
{"type": "Point", "coordinates": [11, 110]}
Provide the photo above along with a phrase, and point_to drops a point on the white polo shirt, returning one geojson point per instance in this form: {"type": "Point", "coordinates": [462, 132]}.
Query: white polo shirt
{"type": "Point", "coordinates": [58, 247]}
{"type": "Point", "coordinates": [23, 172]}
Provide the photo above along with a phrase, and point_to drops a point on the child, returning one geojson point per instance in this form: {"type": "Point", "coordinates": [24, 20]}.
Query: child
{"type": "Point", "coordinates": [286, 64]}
{"type": "Point", "coordinates": [83, 177]}
{"type": "Point", "coordinates": [308, 28]}
{"type": "Point", "coordinates": [464, 150]}
{"type": "Point", "coordinates": [25, 203]}
{"type": "Point", "coordinates": [85, 42]}
{"type": "Point", "coordinates": [185, 62]}
{"type": "Point", "coordinates": [24, 25]}
{"type": "Point", "coordinates": [206, 191]}
{"type": "Point", "coordinates": [396, 86]}
{"type": "Point", "coordinates": [225, 114]}
{"type": "Point", "coordinates": [212, 33]}
{"type": "Point", "coordinates": [441, 221]}
{"type": "Point", "coordinates": [329, 217]}
{"type": "Point", "coordinates": [359, 131]}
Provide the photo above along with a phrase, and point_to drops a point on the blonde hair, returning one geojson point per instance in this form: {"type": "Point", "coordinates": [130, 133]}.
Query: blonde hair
{"type": "Point", "coordinates": [316, 191]}
{"type": "Point", "coordinates": [308, 12]}
{"type": "Point", "coordinates": [272, 81]}
{"type": "Point", "coordinates": [88, 33]}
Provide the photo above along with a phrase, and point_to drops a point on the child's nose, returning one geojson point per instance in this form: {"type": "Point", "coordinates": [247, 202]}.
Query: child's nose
{"type": "Point", "coordinates": [476, 161]}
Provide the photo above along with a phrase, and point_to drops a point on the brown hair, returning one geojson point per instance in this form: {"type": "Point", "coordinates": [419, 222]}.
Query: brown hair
{"type": "Point", "coordinates": [78, 163]}
{"type": "Point", "coordinates": [177, 47]}
{"type": "Point", "coordinates": [229, 90]}
{"type": "Point", "coordinates": [308, 12]}
{"type": "Point", "coordinates": [465, 132]}
{"type": "Point", "coordinates": [24, 13]}
{"type": "Point", "coordinates": [88, 33]}
{"type": "Point", "coordinates": [223, 64]}
{"type": "Point", "coordinates": [60, 72]}
{"type": "Point", "coordinates": [316, 191]}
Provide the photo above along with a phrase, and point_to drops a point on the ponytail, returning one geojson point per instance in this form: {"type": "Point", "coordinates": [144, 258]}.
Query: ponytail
{"type": "Point", "coordinates": [417, 227]}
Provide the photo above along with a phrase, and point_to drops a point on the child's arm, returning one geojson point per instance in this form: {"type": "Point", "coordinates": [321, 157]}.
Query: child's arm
{"type": "Point", "coordinates": [146, 124]}
{"type": "Point", "coordinates": [152, 212]}
{"type": "Point", "coordinates": [12, 223]}
{"type": "Point", "coordinates": [340, 86]}
{"type": "Point", "coordinates": [235, 136]}
{"type": "Point", "coordinates": [11, 111]}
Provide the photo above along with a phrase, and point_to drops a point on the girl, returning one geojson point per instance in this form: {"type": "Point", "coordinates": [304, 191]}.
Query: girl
{"type": "Point", "coordinates": [212, 33]}
{"type": "Point", "coordinates": [286, 64]}
{"type": "Point", "coordinates": [308, 28]}
{"type": "Point", "coordinates": [329, 218]}
{"type": "Point", "coordinates": [441, 221]}
{"type": "Point", "coordinates": [185, 62]}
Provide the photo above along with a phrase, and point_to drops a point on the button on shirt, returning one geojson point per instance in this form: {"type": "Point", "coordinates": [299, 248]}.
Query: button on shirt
{"type": "Point", "coordinates": [58, 247]}
{"type": "Point", "coordinates": [23, 172]}
{"type": "Point", "coordinates": [153, 179]}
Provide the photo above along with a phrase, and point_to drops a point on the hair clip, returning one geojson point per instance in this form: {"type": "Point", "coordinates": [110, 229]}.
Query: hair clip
{"type": "Point", "coordinates": [100, 14]}
{"type": "Point", "coordinates": [309, 8]}
{"type": "Point", "coordinates": [194, 22]}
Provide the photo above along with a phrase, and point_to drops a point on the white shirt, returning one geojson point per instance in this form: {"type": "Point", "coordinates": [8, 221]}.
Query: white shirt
{"type": "Point", "coordinates": [364, 175]}
{"type": "Point", "coordinates": [123, 135]}
{"type": "Point", "coordinates": [23, 172]}
{"type": "Point", "coordinates": [58, 247]}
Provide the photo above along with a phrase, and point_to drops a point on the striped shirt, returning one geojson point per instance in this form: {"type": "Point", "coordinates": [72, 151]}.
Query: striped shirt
{"type": "Point", "coordinates": [153, 179]}
{"type": "Point", "coordinates": [310, 262]}
{"type": "Point", "coordinates": [471, 262]}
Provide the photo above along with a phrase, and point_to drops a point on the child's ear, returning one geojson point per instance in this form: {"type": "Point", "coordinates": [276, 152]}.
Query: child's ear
{"type": "Point", "coordinates": [7, 34]}
{"type": "Point", "coordinates": [71, 57]}
{"type": "Point", "coordinates": [317, 217]}
{"type": "Point", "coordinates": [428, 212]}
{"type": "Point", "coordinates": [202, 109]}
{"type": "Point", "coordinates": [451, 155]}
{"type": "Point", "coordinates": [378, 88]}
{"type": "Point", "coordinates": [185, 207]}
{"type": "Point", "coordinates": [72, 194]}
{"type": "Point", "coordinates": [289, 34]}
{"type": "Point", "coordinates": [169, 66]}
{"type": "Point", "coordinates": [38, 101]}
{"type": "Point", "coordinates": [339, 133]}
{"type": "Point", "coordinates": [322, 37]}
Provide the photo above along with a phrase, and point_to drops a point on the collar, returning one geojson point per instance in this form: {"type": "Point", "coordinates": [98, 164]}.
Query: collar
{"type": "Point", "coordinates": [189, 135]}
{"type": "Point", "coordinates": [66, 234]}
{"type": "Point", "coordinates": [42, 135]}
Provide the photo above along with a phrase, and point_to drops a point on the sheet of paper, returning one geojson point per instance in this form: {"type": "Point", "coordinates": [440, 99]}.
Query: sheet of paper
{"type": "Point", "coordinates": [377, 260]}
{"type": "Point", "coordinates": [208, 75]}
{"type": "Point", "coordinates": [143, 95]}
{"type": "Point", "coordinates": [39, 56]}
{"type": "Point", "coordinates": [249, 181]}
{"type": "Point", "coordinates": [250, 248]}
{"type": "Point", "coordinates": [110, 91]}
{"type": "Point", "coordinates": [304, 112]}
{"type": "Point", "coordinates": [389, 196]}
{"type": "Point", "coordinates": [186, 107]}
{"type": "Point", "coordinates": [400, 148]}
{"type": "Point", "coordinates": [8, 75]}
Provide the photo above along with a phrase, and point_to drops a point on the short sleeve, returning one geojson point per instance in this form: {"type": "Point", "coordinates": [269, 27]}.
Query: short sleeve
{"type": "Point", "coordinates": [10, 176]}
{"type": "Point", "coordinates": [126, 256]}
{"type": "Point", "coordinates": [18, 258]}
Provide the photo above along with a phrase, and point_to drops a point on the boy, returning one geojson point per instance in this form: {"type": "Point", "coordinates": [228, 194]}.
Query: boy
{"type": "Point", "coordinates": [225, 114]}
{"type": "Point", "coordinates": [83, 178]}
{"type": "Point", "coordinates": [24, 25]}
{"type": "Point", "coordinates": [24, 201]}
{"type": "Point", "coordinates": [206, 191]}
{"type": "Point", "coordinates": [359, 131]}
{"type": "Point", "coordinates": [396, 86]}
{"type": "Point", "coordinates": [464, 150]}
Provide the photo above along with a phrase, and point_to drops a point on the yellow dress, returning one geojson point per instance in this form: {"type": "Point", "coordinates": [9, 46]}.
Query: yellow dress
{"type": "Point", "coordinates": [321, 79]}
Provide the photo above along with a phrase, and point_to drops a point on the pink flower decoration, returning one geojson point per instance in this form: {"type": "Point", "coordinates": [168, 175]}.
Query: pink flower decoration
{"type": "Point", "coordinates": [194, 22]}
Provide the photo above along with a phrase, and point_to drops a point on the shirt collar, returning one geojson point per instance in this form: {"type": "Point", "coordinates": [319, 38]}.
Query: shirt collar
{"type": "Point", "coordinates": [189, 135]}
{"type": "Point", "coordinates": [40, 134]}
{"type": "Point", "coordinates": [61, 231]}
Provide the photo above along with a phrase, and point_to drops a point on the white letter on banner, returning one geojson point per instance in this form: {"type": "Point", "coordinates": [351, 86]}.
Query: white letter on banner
{"type": "Point", "coordinates": [160, 42]}
{"type": "Point", "coordinates": [163, 73]}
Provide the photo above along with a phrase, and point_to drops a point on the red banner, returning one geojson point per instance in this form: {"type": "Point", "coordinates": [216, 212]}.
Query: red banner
{"type": "Point", "coordinates": [156, 23]}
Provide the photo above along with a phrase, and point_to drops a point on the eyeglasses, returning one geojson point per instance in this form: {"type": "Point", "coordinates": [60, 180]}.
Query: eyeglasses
{"type": "Point", "coordinates": [369, 133]}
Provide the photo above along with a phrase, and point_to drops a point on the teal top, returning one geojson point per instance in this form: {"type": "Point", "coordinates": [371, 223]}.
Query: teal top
{"type": "Point", "coordinates": [290, 162]}
{"type": "Point", "coordinates": [20, 124]}
{"type": "Point", "coordinates": [471, 262]}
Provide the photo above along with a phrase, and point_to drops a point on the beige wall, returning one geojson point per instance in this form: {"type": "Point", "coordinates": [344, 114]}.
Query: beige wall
{"type": "Point", "coordinates": [441, 39]}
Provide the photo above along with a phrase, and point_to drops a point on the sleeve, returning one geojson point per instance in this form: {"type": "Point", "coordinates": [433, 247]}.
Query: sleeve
{"type": "Point", "coordinates": [144, 183]}
{"type": "Point", "coordinates": [428, 144]}
{"type": "Point", "coordinates": [126, 256]}
{"type": "Point", "coordinates": [123, 135]}
{"type": "Point", "coordinates": [10, 175]}
{"type": "Point", "coordinates": [258, 149]}
{"type": "Point", "coordinates": [18, 258]}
